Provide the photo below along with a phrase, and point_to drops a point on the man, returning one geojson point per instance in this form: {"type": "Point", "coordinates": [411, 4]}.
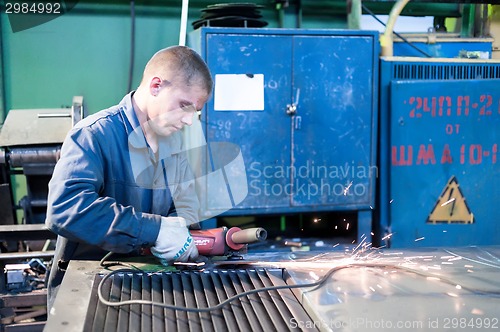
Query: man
{"type": "Point", "coordinates": [121, 183]}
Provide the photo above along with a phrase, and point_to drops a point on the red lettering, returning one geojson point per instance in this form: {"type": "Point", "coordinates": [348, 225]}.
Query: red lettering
{"type": "Point", "coordinates": [401, 161]}
{"type": "Point", "coordinates": [467, 104]}
{"type": "Point", "coordinates": [446, 156]}
{"type": "Point", "coordinates": [448, 103]}
{"type": "Point", "coordinates": [412, 111]}
{"type": "Point", "coordinates": [462, 154]}
{"type": "Point", "coordinates": [426, 155]}
{"type": "Point", "coordinates": [484, 110]}
{"type": "Point", "coordinates": [494, 154]}
{"type": "Point", "coordinates": [475, 154]}
{"type": "Point", "coordinates": [449, 129]}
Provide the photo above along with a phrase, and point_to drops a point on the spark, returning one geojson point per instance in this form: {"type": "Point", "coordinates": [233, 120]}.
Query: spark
{"type": "Point", "coordinates": [420, 239]}
{"type": "Point", "coordinates": [372, 234]}
{"type": "Point", "coordinates": [372, 289]}
{"type": "Point", "coordinates": [360, 244]}
{"type": "Point", "coordinates": [347, 188]}
{"type": "Point", "coordinates": [447, 263]}
{"type": "Point", "coordinates": [371, 207]}
{"type": "Point", "coordinates": [448, 201]}
{"type": "Point", "coordinates": [347, 228]}
{"type": "Point", "coordinates": [392, 200]}
{"type": "Point", "coordinates": [435, 267]}
{"type": "Point", "coordinates": [455, 259]}
{"type": "Point", "coordinates": [314, 275]}
{"type": "Point", "coordinates": [458, 287]}
{"type": "Point", "coordinates": [447, 257]}
{"type": "Point", "coordinates": [433, 278]}
{"type": "Point", "coordinates": [387, 236]}
{"type": "Point", "coordinates": [467, 265]}
{"type": "Point", "coordinates": [316, 219]}
{"type": "Point", "coordinates": [336, 227]}
{"type": "Point", "coordinates": [335, 245]}
{"type": "Point", "coordinates": [379, 286]}
{"type": "Point", "coordinates": [476, 311]}
{"type": "Point", "coordinates": [452, 294]}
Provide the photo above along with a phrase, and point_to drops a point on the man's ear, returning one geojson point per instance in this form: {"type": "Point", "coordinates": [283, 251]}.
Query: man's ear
{"type": "Point", "coordinates": [155, 85]}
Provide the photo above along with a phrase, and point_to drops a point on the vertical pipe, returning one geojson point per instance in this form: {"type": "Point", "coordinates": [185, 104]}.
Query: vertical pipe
{"type": "Point", "coordinates": [386, 41]}
{"type": "Point", "coordinates": [184, 17]}
{"type": "Point", "coordinates": [3, 113]}
{"type": "Point", "coordinates": [354, 14]}
{"type": "Point", "coordinates": [298, 12]}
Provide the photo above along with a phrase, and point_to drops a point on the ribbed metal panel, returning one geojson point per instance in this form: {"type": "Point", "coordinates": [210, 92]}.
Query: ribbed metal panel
{"type": "Point", "coordinates": [262, 311]}
{"type": "Point", "coordinates": [439, 71]}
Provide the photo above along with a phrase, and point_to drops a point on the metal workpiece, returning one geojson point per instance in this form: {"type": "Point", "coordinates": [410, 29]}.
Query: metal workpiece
{"type": "Point", "coordinates": [351, 290]}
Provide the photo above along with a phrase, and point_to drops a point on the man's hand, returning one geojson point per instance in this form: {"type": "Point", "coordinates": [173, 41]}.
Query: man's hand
{"type": "Point", "coordinates": [174, 242]}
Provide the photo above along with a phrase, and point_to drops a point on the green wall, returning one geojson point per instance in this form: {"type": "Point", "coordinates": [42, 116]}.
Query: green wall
{"type": "Point", "coordinates": [80, 54]}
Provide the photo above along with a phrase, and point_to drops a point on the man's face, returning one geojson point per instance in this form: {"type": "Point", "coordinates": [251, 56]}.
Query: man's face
{"type": "Point", "coordinates": [174, 107]}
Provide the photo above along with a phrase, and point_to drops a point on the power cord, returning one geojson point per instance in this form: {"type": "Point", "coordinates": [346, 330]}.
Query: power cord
{"type": "Point", "coordinates": [313, 285]}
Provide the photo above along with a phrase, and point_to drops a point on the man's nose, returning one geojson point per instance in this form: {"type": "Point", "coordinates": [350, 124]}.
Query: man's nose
{"type": "Point", "coordinates": [187, 120]}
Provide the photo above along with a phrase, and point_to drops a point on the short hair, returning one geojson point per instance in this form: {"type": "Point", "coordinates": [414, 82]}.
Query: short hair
{"type": "Point", "coordinates": [182, 61]}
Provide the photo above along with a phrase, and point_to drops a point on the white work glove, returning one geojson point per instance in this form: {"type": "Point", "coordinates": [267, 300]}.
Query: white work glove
{"type": "Point", "coordinates": [174, 242]}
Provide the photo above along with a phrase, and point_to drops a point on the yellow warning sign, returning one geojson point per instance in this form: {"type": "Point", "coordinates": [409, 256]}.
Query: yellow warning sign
{"type": "Point", "coordinates": [451, 206]}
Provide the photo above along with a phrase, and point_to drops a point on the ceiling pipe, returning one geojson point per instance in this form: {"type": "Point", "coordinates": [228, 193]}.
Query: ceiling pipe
{"type": "Point", "coordinates": [386, 40]}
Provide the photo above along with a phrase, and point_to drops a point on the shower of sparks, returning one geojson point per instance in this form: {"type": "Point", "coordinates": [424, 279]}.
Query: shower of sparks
{"type": "Point", "coordinates": [392, 265]}
{"type": "Point", "coordinates": [448, 201]}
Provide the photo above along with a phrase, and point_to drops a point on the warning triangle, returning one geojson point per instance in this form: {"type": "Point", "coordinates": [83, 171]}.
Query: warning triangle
{"type": "Point", "coordinates": [451, 206]}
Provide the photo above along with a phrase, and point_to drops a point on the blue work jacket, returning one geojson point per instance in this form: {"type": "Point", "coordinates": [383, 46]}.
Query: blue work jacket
{"type": "Point", "coordinates": [109, 190]}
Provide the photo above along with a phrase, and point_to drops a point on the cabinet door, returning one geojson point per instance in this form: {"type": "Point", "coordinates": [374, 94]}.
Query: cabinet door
{"type": "Point", "coordinates": [262, 134]}
{"type": "Point", "coordinates": [332, 149]}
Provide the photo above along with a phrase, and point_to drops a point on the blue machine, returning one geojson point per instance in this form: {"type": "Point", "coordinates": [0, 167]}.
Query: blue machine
{"type": "Point", "coordinates": [438, 46]}
{"type": "Point", "coordinates": [440, 176]}
{"type": "Point", "coordinates": [302, 105]}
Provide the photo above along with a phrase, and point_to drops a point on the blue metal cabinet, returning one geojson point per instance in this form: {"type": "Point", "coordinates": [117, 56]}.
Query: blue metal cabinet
{"type": "Point", "coordinates": [439, 134]}
{"type": "Point", "coordinates": [311, 146]}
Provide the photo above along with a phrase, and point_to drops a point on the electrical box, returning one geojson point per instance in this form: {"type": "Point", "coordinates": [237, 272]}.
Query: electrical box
{"type": "Point", "coordinates": [440, 178]}
{"type": "Point", "coordinates": [302, 106]}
